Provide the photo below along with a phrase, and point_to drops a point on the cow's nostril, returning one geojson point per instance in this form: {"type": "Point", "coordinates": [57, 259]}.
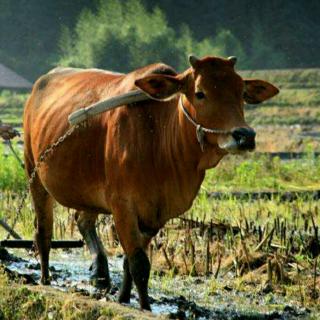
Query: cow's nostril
{"type": "Point", "coordinates": [245, 138]}
{"type": "Point", "coordinates": [240, 133]}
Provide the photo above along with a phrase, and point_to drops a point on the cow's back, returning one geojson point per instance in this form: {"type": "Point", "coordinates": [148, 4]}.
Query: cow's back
{"type": "Point", "coordinates": [124, 157]}
{"type": "Point", "coordinates": [54, 96]}
{"type": "Point", "coordinates": [105, 159]}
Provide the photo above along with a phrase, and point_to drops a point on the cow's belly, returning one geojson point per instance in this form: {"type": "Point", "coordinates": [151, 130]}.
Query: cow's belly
{"type": "Point", "coordinates": [73, 190]}
{"type": "Point", "coordinates": [73, 174]}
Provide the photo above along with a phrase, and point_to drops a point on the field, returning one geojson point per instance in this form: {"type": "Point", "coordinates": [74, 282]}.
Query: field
{"type": "Point", "coordinates": [234, 258]}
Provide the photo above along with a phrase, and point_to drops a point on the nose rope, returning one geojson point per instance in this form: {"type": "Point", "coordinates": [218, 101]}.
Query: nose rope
{"type": "Point", "coordinates": [200, 130]}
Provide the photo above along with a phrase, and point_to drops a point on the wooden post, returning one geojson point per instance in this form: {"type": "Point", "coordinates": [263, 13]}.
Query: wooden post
{"type": "Point", "coordinates": [28, 244]}
{"type": "Point", "coordinates": [9, 229]}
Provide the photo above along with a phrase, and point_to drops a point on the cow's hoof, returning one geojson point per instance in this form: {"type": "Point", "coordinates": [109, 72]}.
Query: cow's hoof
{"type": "Point", "coordinates": [45, 281]}
{"type": "Point", "coordinates": [124, 297]}
{"type": "Point", "coordinates": [145, 306]}
{"type": "Point", "coordinates": [100, 283]}
{"type": "Point", "coordinates": [100, 273]}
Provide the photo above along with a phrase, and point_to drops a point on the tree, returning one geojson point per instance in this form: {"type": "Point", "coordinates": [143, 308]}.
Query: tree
{"type": "Point", "coordinates": [125, 35]}
{"type": "Point", "coordinates": [263, 54]}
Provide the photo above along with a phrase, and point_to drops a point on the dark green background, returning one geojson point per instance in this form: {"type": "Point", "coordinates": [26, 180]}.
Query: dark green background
{"type": "Point", "coordinates": [30, 29]}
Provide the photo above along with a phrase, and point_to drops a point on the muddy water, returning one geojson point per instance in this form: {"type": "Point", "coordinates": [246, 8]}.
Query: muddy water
{"type": "Point", "coordinates": [180, 297]}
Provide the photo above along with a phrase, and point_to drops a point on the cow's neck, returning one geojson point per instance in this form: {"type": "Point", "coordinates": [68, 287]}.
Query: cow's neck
{"type": "Point", "coordinates": [203, 159]}
{"type": "Point", "coordinates": [187, 161]}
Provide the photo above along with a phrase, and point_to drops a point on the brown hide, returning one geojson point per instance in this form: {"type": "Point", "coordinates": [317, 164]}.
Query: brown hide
{"type": "Point", "coordinates": [141, 162]}
{"type": "Point", "coordinates": [124, 161]}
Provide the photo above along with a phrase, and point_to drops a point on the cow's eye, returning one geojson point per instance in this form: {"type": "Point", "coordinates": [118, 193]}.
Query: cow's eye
{"type": "Point", "coordinates": [200, 95]}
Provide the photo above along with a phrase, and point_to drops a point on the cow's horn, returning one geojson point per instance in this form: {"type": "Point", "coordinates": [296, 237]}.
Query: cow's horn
{"type": "Point", "coordinates": [193, 60]}
{"type": "Point", "coordinates": [233, 59]}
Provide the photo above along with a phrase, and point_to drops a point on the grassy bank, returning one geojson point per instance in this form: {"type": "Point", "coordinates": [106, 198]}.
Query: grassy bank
{"type": "Point", "coordinates": [12, 176]}
{"type": "Point", "coordinates": [11, 107]}
{"type": "Point", "coordinates": [258, 172]}
{"type": "Point", "coordinates": [249, 172]}
{"type": "Point", "coordinates": [18, 301]}
{"type": "Point", "coordinates": [287, 78]}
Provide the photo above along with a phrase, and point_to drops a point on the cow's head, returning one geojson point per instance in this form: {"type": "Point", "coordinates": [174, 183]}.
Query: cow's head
{"type": "Point", "coordinates": [214, 96]}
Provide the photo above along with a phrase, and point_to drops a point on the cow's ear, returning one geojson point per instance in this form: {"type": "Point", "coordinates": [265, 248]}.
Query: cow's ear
{"type": "Point", "coordinates": [160, 87]}
{"type": "Point", "coordinates": [256, 91]}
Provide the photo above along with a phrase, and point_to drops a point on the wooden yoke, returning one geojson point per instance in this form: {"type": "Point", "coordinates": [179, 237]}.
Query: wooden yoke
{"type": "Point", "coordinates": [105, 105]}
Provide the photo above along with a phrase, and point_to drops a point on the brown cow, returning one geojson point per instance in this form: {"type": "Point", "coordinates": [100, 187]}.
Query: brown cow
{"type": "Point", "coordinates": [144, 162]}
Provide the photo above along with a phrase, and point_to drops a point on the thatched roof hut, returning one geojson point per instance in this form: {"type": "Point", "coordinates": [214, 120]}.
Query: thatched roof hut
{"type": "Point", "coordinates": [11, 80]}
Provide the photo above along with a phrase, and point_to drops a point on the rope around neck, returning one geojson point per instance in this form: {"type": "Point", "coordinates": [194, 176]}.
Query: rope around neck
{"type": "Point", "coordinates": [200, 130]}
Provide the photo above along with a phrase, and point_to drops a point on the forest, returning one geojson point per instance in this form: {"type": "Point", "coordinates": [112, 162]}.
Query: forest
{"type": "Point", "coordinates": [121, 35]}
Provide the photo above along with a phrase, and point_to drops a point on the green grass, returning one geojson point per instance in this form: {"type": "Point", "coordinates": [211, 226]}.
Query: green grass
{"type": "Point", "coordinates": [259, 172]}
{"type": "Point", "coordinates": [298, 97]}
{"type": "Point", "coordinates": [299, 90]}
{"type": "Point", "coordinates": [11, 107]}
{"type": "Point", "coordinates": [253, 172]}
{"type": "Point", "coordinates": [18, 301]}
{"type": "Point", "coordinates": [262, 212]}
{"type": "Point", "coordinates": [286, 116]}
{"type": "Point", "coordinates": [234, 173]}
{"type": "Point", "coordinates": [287, 78]}
{"type": "Point", "coordinates": [12, 176]}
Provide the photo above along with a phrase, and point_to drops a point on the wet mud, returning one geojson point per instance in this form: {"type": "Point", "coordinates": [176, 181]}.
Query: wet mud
{"type": "Point", "coordinates": [178, 297]}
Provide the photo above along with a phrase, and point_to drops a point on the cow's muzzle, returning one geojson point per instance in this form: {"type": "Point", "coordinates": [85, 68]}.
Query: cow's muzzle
{"type": "Point", "coordinates": [240, 139]}
{"type": "Point", "coordinates": [245, 138]}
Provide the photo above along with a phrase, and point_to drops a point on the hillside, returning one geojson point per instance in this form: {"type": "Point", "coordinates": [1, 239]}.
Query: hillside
{"type": "Point", "coordinates": [297, 102]}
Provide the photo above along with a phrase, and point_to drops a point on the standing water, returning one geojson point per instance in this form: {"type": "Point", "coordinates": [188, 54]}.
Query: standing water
{"type": "Point", "coordinates": [182, 297]}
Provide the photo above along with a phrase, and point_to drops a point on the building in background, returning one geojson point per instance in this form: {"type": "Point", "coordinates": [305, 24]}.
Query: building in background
{"type": "Point", "coordinates": [12, 81]}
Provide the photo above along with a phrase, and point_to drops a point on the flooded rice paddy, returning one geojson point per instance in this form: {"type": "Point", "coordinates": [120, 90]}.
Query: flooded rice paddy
{"type": "Point", "coordinates": [178, 297]}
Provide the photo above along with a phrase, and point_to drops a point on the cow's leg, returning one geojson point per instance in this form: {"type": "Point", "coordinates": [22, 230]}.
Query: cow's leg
{"type": "Point", "coordinates": [100, 271]}
{"type": "Point", "coordinates": [125, 291]}
{"type": "Point", "coordinates": [43, 205]}
{"type": "Point", "coordinates": [136, 264]}
{"type": "Point", "coordinates": [139, 267]}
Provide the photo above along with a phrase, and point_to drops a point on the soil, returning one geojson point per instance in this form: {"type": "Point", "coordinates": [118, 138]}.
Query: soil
{"type": "Point", "coordinates": [178, 297]}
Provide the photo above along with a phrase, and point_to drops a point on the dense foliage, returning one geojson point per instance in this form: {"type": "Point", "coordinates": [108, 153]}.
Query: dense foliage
{"type": "Point", "coordinates": [121, 35]}
{"type": "Point", "coordinates": [144, 37]}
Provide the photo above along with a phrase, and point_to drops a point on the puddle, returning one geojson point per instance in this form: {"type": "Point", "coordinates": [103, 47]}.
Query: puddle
{"type": "Point", "coordinates": [179, 297]}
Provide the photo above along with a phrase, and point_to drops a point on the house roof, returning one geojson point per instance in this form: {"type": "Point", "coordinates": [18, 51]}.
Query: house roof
{"type": "Point", "coordinates": [11, 80]}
